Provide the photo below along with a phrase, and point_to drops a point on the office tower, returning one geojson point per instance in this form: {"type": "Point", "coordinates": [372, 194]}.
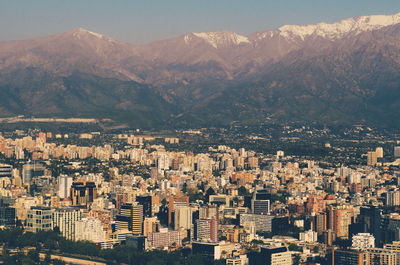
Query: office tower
{"type": "Point", "coordinates": [147, 205]}
{"type": "Point", "coordinates": [64, 220]}
{"type": "Point", "coordinates": [83, 192]}
{"type": "Point", "coordinates": [178, 200]}
{"type": "Point", "coordinates": [130, 218]}
{"type": "Point", "coordinates": [379, 152]}
{"type": "Point", "coordinates": [206, 230]}
{"type": "Point", "coordinates": [318, 223]}
{"type": "Point", "coordinates": [260, 203]}
{"type": "Point", "coordinates": [64, 186]}
{"type": "Point", "coordinates": [39, 218]}
{"type": "Point", "coordinates": [372, 158]}
{"type": "Point", "coordinates": [363, 241]}
{"type": "Point", "coordinates": [393, 198]}
{"type": "Point", "coordinates": [89, 229]}
{"type": "Point", "coordinates": [271, 256]}
{"type": "Point", "coordinates": [340, 218]}
{"type": "Point", "coordinates": [6, 170]}
{"type": "Point", "coordinates": [370, 219]}
{"type": "Point", "coordinates": [30, 171]}
{"type": "Point", "coordinates": [7, 213]}
{"type": "Point", "coordinates": [308, 236]}
{"type": "Point", "coordinates": [182, 217]}
{"type": "Point", "coordinates": [397, 152]}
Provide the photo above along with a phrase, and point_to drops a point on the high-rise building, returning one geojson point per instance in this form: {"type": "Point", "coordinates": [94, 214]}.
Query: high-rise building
{"type": "Point", "coordinates": [130, 218]}
{"type": "Point", "coordinates": [372, 158]}
{"type": "Point", "coordinates": [206, 230]}
{"type": "Point", "coordinates": [379, 152]}
{"type": "Point", "coordinates": [370, 219]}
{"type": "Point", "coordinates": [397, 152]}
{"type": "Point", "coordinates": [6, 170]}
{"type": "Point", "coordinates": [7, 212]}
{"type": "Point", "coordinates": [182, 217]}
{"type": "Point", "coordinates": [260, 203]}
{"type": "Point", "coordinates": [393, 198]}
{"type": "Point", "coordinates": [64, 186]}
{"type": "Point", "coordinates": [363, 241]}
{"type": "Point", "coordinates": [318, 223]}
{"type": "Point", "coordinates": [32, 170]}
{"type": "Point", "coordinates": [340, 218]}
{"type": "Point", "coordinates": [173, 201]}
{"type": "Point", "coordinates": [89, 229]}
{"type": "Point", "coordinates": [147, 205]}
{"type": "Point", "coordinates": [83, 192]}
{"type": "Point", "coordinates": [64, 220]}
{"type": "Point", "coordinates": [39, 218]}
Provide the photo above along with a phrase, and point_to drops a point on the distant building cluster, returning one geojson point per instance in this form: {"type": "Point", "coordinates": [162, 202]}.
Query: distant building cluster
{"type": "Point", "coordinates": [235, 204]}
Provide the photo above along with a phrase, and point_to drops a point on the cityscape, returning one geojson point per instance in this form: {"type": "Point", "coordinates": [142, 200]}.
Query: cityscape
{"type": "Point", "coordinates": [204, 132]}
{"type": "Point", "coordinates": [145, 191]}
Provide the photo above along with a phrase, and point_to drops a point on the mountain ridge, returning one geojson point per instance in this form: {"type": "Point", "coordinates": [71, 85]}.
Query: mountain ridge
{"type": "Point", "coordinates": [317, 72]}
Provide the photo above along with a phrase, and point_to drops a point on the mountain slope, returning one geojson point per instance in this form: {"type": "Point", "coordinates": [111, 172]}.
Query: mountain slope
{"type": "Point", "coordinates": [344, 72]}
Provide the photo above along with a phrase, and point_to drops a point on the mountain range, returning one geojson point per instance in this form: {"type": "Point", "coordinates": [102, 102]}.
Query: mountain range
{"type": "Point", "coordinates": [341, 73]}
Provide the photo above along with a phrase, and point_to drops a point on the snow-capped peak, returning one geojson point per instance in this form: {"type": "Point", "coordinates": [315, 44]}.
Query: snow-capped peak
{"type": "Point", "coordinates": [337, 30]}
{"type": "Point", "coordinates": [220, 38]}
{"type": "Point", "coordinates": [81, 32]}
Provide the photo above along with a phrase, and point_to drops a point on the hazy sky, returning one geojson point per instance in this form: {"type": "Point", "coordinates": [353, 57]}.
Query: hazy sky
{"type": "Point", "coordinates": [140, 21]}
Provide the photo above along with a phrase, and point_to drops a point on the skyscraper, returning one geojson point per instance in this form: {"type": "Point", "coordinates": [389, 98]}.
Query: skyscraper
{"type": "Point", "coordinates": [260, 203]}
{"type": "Point", "coordinates": [147, 205]}
{"type": "Point", "coordinates": [340, 218]}
{"type": "Point", "coordinates": [372, 158]}
{"type": "Point", "coordinates": [182, 218]}
{"type": "Point", "coordinates": [30, 171]}
{"type": "Point", "coordinates": [130, 218]}
{"type": "Point", "coordinates": [83, 192]}
{"type": "Point", "coordinates": [65, 220]}
{"type": "Point", "coordinates": [206, 230]}
{"type": "Point", "coordinates": [64, 186]}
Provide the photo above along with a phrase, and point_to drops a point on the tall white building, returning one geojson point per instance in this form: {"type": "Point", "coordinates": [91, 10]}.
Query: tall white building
{"type": "Point", "coordinates": [379, 152]}
{"type": "Point", "coordinates": [64, 186]}
{"type": "Point", "coordinates": [182, 217]}
{"type": "Point", "coordinates": [89, 229]}
{"type": "Point", "coordinates": [363, 241]}
{"type": "Point", "coordinates": [65, 220]}
{"type": "Point", "coordinates": [308, 236]}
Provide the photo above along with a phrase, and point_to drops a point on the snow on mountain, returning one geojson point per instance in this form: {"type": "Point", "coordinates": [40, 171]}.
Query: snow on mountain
{"type": "Point", "coordinates": [220, 38]}
{"type": "Point", "coordinates": [335, 30]}
{"type": "Point", "coordinates": [81, 33]}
